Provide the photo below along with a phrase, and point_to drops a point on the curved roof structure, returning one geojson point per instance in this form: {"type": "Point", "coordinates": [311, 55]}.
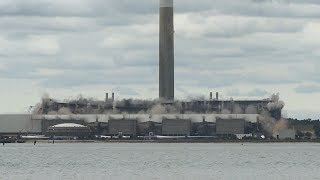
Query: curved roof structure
{"type": "Point", "coordinates": [68, 125]}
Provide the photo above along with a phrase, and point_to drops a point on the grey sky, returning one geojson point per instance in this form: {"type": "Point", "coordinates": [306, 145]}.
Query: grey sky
{"type": "Point", "coordinates": [245, 49]}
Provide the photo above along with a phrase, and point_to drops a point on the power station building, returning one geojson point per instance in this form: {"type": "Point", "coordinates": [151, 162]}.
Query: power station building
{"type": "Point", "coordinates": [165, 116]}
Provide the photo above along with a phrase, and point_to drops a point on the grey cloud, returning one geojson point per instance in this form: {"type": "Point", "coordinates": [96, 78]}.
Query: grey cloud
{"type": "Point", "coordinates": [115, 77]}
{"type": "Point", "coordinates": [307, 89]}
{"type": "Point", "coordinates": [96, 8]}
{"type": "Point", "coordinates": [78, 8]}
{"type": "Point", "coordinates": [288, 1]}
{"type": "Point", "coordinates": [253, 93]}
{"type": "Point", "coordinates": [258, 93]}
{"type": "Point", "coordinates": [125, 90]}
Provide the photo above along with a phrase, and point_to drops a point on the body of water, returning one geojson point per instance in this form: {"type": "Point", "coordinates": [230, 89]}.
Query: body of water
{"type": "Point", "coordinates": [160, 161]}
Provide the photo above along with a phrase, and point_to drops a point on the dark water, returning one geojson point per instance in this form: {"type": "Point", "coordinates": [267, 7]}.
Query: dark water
{"type": "Point", "coordinates": [160, 161]}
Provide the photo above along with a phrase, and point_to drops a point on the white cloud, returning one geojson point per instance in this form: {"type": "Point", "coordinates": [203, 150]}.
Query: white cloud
{"type": "Point", "coordinates": [44, 72]}
{"type": "Point", "coordinates": [197, 25]}
{"type": "Point", "coordinates": [130, 36]}
{"type": "Point", "coordinates": [310, 34]}
{"type": "Point", "coordinates": [2, 66]}
{"type": "Point", "coordinates": [4, 45]}
{"type": "Point", "coordinates": [44, 45]}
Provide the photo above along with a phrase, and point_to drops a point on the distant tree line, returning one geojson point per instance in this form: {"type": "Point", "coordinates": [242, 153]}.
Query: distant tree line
{"type": "Point", "coordinates": [306, 122]}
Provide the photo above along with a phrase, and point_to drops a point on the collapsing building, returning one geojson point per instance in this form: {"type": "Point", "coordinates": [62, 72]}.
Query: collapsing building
{"type": "Point", "coordinates": [272, 106]}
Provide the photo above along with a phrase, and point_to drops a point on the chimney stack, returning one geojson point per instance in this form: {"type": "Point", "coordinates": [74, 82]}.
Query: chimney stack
{"type": "Point", "coordinates": [112, 97]}
{"type": "Point", "coordinates": [211, 96]}
{"type": "Point", "coordinates": [107, 97]}
{"type": "Point", "coordinates": [217, 96]}
{"type": "Point", "coordinates": [166, 51]}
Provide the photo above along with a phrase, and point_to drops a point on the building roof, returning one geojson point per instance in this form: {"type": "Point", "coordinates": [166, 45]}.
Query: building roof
{"type": "Point", "coordinates": [68, 125]}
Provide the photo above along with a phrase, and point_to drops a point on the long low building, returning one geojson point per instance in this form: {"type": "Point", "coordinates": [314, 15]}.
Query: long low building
{"type": "Point", "coordinates": [19, 124]}
{"type": "Point", "coordinates": [193, 124]}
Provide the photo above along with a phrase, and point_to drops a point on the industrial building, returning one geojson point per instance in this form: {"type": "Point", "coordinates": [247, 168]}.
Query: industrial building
{"type": "Point", "coordinates": [230, 126]}
{"type": "Point", "coordinates": [127, 127]}
{"type": "Point", "coordinates": [69, 130]}
{"type": "Point", "coordinates": [135, 125]}
{"type": "Point", "coordinates": [164, 116]}
{"type": "Point", "coordinates": [148, 128]}
{"type": "Point", "coordinates": [19, 124]}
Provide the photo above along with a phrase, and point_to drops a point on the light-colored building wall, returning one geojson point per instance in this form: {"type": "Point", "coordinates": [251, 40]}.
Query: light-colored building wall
{"type": "Point", "coordinates": [19, 123]}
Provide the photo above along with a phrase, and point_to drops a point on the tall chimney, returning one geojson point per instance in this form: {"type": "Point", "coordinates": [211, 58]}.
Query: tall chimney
{"type": "Point", "coordinates": [166, 51]}
{"type": "Point", "coordinates": [107, 97]}
{"type": "Point", "coordinates": [112, 97]}
{"type": "Point", "coordinates": [217, 96]}
{"type": "Point", "coordinates": [211, 96]}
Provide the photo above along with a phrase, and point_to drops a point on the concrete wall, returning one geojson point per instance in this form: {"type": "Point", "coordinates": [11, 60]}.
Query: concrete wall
{"type": "Point", "coordinates": [230, 126]}
{"type": "Point", "coordinates": [19, 123]}
{"type": "Point", "coordinates": [127, 127]}
{"type": "Point", "coordinates": [176, 127]}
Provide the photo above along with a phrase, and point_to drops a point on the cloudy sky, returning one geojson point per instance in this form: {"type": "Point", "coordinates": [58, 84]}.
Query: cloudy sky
{"type": "Point", "coordinates": [244, 49]}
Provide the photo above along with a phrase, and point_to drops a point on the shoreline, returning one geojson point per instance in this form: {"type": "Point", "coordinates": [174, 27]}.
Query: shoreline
{"type": "Point", "coordinates": [174, 141]}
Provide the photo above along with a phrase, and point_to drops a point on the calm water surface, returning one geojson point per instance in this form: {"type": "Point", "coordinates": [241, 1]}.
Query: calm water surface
{"type": "Point", "coordinates": [160, 161]}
